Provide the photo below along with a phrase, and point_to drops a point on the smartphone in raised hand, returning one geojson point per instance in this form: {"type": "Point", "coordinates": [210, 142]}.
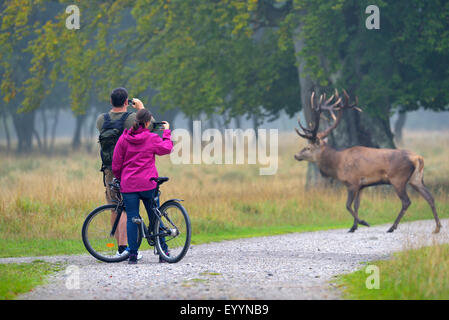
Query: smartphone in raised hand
{"type": "Point", "coordinates": [158, 125]}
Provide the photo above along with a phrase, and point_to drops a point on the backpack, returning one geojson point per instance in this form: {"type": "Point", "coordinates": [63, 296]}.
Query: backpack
{"type": "Point", "coordinates": [109, 135]}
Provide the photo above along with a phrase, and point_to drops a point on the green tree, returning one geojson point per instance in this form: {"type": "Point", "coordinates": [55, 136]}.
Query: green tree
{"type": "Point", "coordinates": [230, 58]}
{"type": "Point", "coordinates": [204, 57]}
{"type": "Point", "coordinates": [403, 64]}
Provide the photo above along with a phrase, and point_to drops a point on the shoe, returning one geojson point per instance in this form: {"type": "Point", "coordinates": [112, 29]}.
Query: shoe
{"type": "Point", "coordinates": [132, 259]}
{"type": "Point", "coordinates": [117, 255]}
{"type": "Point", "coordinates": [162, 260]}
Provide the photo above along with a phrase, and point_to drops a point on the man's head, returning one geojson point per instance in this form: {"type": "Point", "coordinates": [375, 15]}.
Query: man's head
{"type": "Point", "coordinates": [119, 98]}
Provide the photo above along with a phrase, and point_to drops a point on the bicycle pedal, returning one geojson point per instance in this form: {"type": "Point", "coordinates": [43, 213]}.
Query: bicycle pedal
{"type": "Point", "coordinates": [136, 220]}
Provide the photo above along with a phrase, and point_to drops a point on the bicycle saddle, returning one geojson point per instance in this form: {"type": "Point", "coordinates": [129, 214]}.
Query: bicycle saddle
{"type": "Point", "coordinates": [160, 180]}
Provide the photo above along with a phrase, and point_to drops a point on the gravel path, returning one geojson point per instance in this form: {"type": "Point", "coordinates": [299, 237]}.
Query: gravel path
{"type": "Point", "coordinates": [291, 266]}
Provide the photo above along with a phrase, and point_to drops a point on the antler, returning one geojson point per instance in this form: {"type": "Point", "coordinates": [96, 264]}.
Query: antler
{"type": "Point", "coordinates": [342, 106]}
{"type": "Point", "coordinates": [309, 133]}
{"type": "Point", "coordinates": [323, 104]}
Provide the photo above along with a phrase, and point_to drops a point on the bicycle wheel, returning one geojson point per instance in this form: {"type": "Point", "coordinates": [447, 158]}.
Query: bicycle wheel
{"type": "Point", "coordinates": [175, 223]}
{"type": "Point", "coordinates": [96, 234]}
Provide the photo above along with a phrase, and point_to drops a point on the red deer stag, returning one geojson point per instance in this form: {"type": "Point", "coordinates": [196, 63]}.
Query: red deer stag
{"type": "Point", "coordinates": [361, 167]}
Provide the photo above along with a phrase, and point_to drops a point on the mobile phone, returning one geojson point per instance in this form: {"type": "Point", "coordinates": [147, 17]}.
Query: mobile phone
{"type": "Point", "coordinates": [158, 125]}
{"type": "Point", "coordinates": [130, 102]}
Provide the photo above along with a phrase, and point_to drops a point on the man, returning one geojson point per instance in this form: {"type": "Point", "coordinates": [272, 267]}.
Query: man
{"type": "Point", "coordinates": [111, 126]}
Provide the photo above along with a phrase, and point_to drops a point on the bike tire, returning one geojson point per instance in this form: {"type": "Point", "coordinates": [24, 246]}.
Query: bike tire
{"type": "Point", "coordinates": [180, 252]}
{"type": "Point", "coordinates": [97, 214]}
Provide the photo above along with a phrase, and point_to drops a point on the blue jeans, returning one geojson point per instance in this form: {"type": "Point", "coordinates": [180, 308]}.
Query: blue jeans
{"type": "Point", "coordinates": [132, 203]}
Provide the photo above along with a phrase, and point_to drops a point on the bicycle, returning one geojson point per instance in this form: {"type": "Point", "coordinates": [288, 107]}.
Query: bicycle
{"type": "Point", "coordinates": [170, 223]}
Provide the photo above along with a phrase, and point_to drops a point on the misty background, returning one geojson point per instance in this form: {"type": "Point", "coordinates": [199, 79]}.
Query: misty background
{"type": "Point", "coordinates": [417, 120]}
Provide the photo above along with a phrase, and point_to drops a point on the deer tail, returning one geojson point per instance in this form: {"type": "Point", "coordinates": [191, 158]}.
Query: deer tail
{"type": "Point", "coordinates": [418, 174]}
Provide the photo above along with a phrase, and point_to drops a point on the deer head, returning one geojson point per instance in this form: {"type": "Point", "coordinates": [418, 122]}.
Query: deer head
{"type": "Point", "coordinates": [317, 139]}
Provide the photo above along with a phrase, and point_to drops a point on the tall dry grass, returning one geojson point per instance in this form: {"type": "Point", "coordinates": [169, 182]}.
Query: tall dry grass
{"type": "Point", "coordinates": [49, 197]}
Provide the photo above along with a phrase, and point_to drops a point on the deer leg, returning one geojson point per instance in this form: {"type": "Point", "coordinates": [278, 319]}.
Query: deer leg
{"type": "Point", "coordinates": [402, 194]}
{"type": "Point", "coordinates": [425, 193]}
{"type": "Point", "coordinates": [356, 208]}
{"type": "Point", "coordinates": [351, 195]}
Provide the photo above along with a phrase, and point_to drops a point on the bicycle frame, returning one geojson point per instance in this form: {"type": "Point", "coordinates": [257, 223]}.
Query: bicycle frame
{"type": "Point", "coordinates": [118, 210]}
{"type": "Point", "coordinates": [155, 210]}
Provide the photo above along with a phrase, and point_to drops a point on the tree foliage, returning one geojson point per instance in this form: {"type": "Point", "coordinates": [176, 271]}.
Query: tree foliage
{"type": "Point", "coordinates": [405, 62]}
{"type": "Point", "coordinates": [227, 57]}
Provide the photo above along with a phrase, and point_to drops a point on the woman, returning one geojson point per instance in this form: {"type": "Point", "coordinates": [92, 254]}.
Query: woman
{"type": "Point", "coordinates": [133, 163]}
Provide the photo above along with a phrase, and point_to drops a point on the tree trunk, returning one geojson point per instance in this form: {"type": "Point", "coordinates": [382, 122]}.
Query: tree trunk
{"type": "Point", "coordinates": [90, 130]}
{"type": "Point", "coordinates": [256, 124]}
{"type": "Point", "coordinates": [8, 137]}
{"type": "Point", "coordinates": [314, 178]}
{"type": "Point", "coordinates": [190, 125]}
{"type": "Point", "coordinates": [24, 126]}
{"type": "Point", "coordinates": [45, 130]}
{"type": "Point", "coordinates": [399, 126]}
{"type": "Point", "coordinates": [38, 139]}
{"type": "Point", "coordinates": [76, 140]}
{"type": "Point", "coordinates": [53, 130]}
{"type": "Point", "coordinates": [211, 122]}
{"type": "Point", "coordinates": [238, 122]}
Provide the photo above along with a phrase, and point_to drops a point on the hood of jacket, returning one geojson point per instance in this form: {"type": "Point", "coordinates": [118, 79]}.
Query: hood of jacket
{"type": "Point", "coordinates": [136, 136]}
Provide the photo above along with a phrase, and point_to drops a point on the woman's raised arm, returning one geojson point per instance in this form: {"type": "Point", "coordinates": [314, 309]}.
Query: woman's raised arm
{"type": "Point", "coordinates": [163, 146]}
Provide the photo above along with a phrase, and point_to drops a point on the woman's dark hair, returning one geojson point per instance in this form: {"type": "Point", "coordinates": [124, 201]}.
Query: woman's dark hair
{"type": "Point", "coordinates": [142, 117]}
{"type": "Point", "coordinates": [118, 97]}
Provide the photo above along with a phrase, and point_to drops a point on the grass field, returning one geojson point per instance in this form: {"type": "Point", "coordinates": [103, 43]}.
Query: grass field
{"type": "Point", "coordinates": [17, 278]}
{"type": "Point", "coordinates": [44, 200]}
{"type": "Point", "coordinates": [419, 274]}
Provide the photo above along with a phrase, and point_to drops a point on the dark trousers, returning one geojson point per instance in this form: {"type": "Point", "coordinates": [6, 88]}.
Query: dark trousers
{"type": "Point", "coordinates": [132, 204]}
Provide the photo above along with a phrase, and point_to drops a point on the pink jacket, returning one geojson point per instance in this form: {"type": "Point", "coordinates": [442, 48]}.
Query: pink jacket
{"type": "Point", "coordinates": [134, 158]}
